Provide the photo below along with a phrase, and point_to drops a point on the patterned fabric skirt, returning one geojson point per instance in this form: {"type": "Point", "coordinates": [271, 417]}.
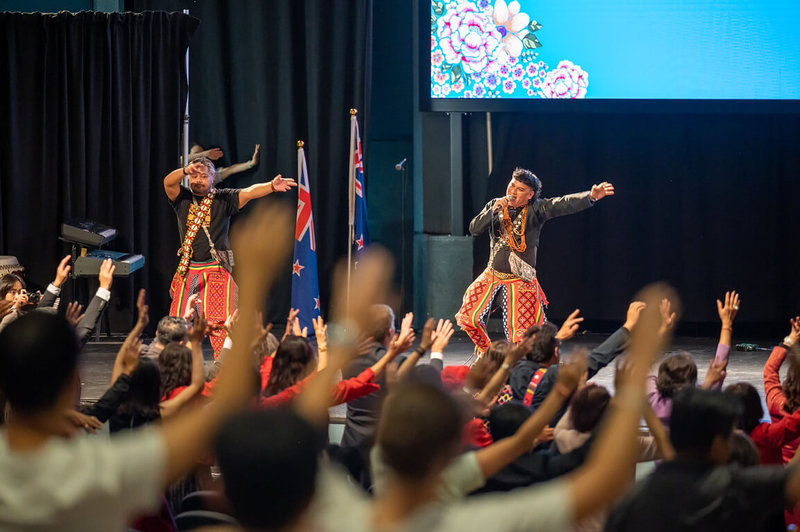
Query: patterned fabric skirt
{"type": "Point", "coordinates": [218, 293]}
{"type": "Point", "coordinates": [523, 306]}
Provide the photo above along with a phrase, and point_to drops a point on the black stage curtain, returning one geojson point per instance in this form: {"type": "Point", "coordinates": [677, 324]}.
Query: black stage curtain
{"type": "Point", "coordinates": [274, 73]}
{"type": "Point", "coordinates": [706, 202]}
{"type": "Point", "coordinates": [91, 111]}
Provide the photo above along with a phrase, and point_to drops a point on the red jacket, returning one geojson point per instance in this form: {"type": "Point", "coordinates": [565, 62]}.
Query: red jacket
{"type": "Point", "coordinates": [776, 398]}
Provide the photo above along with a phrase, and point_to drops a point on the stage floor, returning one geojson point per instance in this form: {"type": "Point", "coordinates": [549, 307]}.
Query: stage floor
{"type": "Point", "coordinates": [98, 360]}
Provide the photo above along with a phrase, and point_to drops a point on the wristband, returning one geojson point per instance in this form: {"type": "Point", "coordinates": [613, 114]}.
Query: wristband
{"type": "Point", "coordinates": [184, 171]}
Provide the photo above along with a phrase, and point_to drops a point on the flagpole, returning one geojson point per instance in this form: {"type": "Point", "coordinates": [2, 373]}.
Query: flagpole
{"type": "Point", "coordinates": [351, 196]}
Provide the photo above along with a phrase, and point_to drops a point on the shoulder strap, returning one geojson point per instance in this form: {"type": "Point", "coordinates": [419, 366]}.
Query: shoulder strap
{"type": "Point", "coordinates": [535, 380]}
{"type": "Point", "coordinates": [192, 229]}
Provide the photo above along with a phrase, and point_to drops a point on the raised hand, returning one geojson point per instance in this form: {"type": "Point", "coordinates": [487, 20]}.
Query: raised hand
{"type": "Point", "coordinates": [254, 160]}
{"type": "Point", "coordinates": [143, 309]}
{"type": "Point", "coordinates": [634, 311]}
{"type": "Point", "coordinates": [297, 331]}
{"type": "Point", "coordinates": [230, 323]}
{"type": "Point", "coordinates": [570, 326]}
{"type": "Point", "coordinates": [197, 167]}
{"type": "Point", "coordinates": [199, 329]}
{"type": "Point", "coordinates": [572, 370]}
{"type": "Point", "coordinates": [427, 334]}
{"type": "Point", "coordinates": [190, 310]}
{"type": "Point", "coordinates": [602, 190]}
{"type": "Point", "coordinates": [21, 299]}
{"type": "Point", "coordinates": [282, 184]}
{"type": "Point", "coordinates": [668, 317]}
{"type": "Point", "coordinates": [321, 332]}
{"type": "Point", "coordinates": [214, 153]}
{"type": "Point", "coordinates": [73, 313]}
{"type": "Point", "coordinates": [293, 313]}
{"type": "Point", "coordinates": [441, 336]}
{"type": "Point", "coordinates": [402, 340]}
{"type": "Point", "coordinates": [516, 353]}
{"type": "Point", "coordinates": [500, 204]}
{"type": "Point", "coordinates": [727, 311]}
{"type": "Point", "coordinates": [794, 335]}
{"type": "Point", "coordinates": [62, 272]}
{"type": "Point", "coordinates": [106, 275]}
{"type": "Point", "coordinates": [131, 356]}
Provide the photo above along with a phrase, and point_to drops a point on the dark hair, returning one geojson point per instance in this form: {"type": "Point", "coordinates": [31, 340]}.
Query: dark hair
{"type": "Point", "coordinates": [268, 459]}
{"type": "Point", "coordinates": [291, 363]}
{"type": "Point", "coordinates": [171, 329]}
{"type": "Point", "coordinates": [504, 421]}
{"type": "Point", "coordinates": [8, 281]}
{"type": "Point", "coordinates": [382, 322]}
{"type": "Point", "coordinates": [420, 425]}
{"type": "Point", "coordinates": [588, 406]}
{"type": "Point", "coordinates": [752, 411]}
{"type": "Point", "coordinates": [528, 178]}
{"type": "Point", "coordinates": [38, 359]}
{"type": "Point", "coordinates": [698, 416]}
{"type": "Point", "coordinates": [791, 387]}
{"type": "Point", "coordinates": [743, 451]}
{"type": "Point", "coordinates": [208, 163]}
{"type": "Point", "coordinates": [544, 344]}
{"type": "Point", "coordinates": [141, 404]}
{"type": "Point", "coordinates": [496, 354]}
{"type": "Point", "coordinates": [175, 363]}
{"type": "Point", "coordinates": [675, 373]}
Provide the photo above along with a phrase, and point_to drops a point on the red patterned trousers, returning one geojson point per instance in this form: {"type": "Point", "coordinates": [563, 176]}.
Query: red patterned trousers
{"type": "Point", "coordinates": [523, 306]}
{"type": "Point", "coordinates": [217, 293]}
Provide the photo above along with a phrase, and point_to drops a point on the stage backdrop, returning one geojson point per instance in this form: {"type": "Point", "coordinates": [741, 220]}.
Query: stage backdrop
{"type": "Point", "coordinates": [707, 202]}
{"type": "Point", "coordinates": [273, 73]}
{"type": "Point", "coordinates": [91, 107]}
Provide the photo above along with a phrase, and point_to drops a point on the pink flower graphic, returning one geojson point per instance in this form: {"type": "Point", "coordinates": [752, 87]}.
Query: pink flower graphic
{"type": "Point", "coordinates": [492, 81]}
{"type": "Point", "coordinates": [504, 70]}
{"type": "Point", "coordinates": [437, 90]}
{"type": "Point", "coordinates": [526, 84]}
{"type": "Point", "coordinates": [530, 92]}
{"type": "Point", "coordinates": [567, 80]}
{"type": "Point", "coordinates": [511, 24]}
{"type": "Point", "coordinates": [459, 85]}
{"type": "Point", "coordinates": [509, 86]}
{"type": "Point", "coordinates": [469, 38]}
{"type": "Point", "coordinates": [532, 69]}
{"type": "Point", "coordinates": [437, 58]}
{"type": "Point", "coordinates": [537, 82]}
{"type": "Point", "coordinates": [440, 77]}
{"type": "Point", "coordinates": [479, 91]}
{"type": "Point", "coordinates": [518, 72]}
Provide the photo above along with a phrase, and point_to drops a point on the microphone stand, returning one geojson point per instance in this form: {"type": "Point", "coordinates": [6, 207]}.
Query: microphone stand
{"type": "Point", "coordinates": [402, 167]}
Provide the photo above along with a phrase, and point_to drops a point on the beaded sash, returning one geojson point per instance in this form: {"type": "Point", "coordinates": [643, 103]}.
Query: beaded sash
{"type": "Point", "coordinates": [185, 251]}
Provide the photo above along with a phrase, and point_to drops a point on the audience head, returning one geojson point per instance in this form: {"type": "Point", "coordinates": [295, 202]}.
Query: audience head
{"type": "Point", "coordinates": [293, 361]}
{"type": "Point", "coordinates": [382, 326]}
{"type": "Point", "coordinates": [268, 460]}
{"type": "Point", "coordinates": [744, 452]}
{"type": "Point", "coordinates": [588, 406]}
{"type": "Point", "coordinates": [171, 329]}
{"type": "Point", "coordinates": [141, 404]}
{"type": "Point", "coordinates": [750, 401]}
{"type": "Point", "coordinates": [419, 432]}
{"type": "Point", "coordinates": [504, 421]}
{"type": "Point", "coordinates": [701, 424]}
{"type": "Point", "coordinates": [675, 373]}
{"type": "Point", "coordinates": [38, 362]}
{"type": "Point", "coordinates": [175, 363]}
{"type": "Point", "coordinates": [11, 284]}
{"type": "Point", "coordinates": [545, 345]}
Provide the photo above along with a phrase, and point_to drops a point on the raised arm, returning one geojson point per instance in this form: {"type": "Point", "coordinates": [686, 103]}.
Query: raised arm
{"type": "Point", "coordinates": [772, 380]}
{"type": "Point", "coordinates": [122, 363]}
{"type": "Point", "coordinates": [514, 355]}
{"type": "Point", "coordinates": [228, 171]}
{"type": "Point", "coordinates": [172, 183]}
{"type": "Point", "coordinates": [97, 305]}
{"type": "Point", "coordinates": [498, 455]}
{"type": "Point", "coordinates": [259, 190]}
{"type": "Point", "coordinates": [601, 480]}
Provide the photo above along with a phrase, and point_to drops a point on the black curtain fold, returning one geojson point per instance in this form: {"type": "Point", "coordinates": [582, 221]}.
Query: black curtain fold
{"type": "Point", "coordinates": [91, 107]}
{"type": "Point", "coordinates": [706, 202]}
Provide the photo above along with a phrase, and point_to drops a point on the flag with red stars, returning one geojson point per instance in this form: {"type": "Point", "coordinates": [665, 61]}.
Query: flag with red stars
{"type": "Point", "coordinates": [305, 281]}
{"type": "Point", "coordinates": [358, 196]}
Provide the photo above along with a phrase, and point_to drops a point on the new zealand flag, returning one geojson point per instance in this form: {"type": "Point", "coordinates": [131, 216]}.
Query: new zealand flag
{"type": "Point", "coordinates": [305, 281]}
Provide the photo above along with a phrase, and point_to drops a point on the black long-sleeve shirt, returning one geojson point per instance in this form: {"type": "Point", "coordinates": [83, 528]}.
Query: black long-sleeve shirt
{"type": "Point", "coordinates": [539, 212]}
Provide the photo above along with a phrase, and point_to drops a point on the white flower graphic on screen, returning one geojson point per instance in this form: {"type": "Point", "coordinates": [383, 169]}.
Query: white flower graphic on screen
{"type": "Point", "coordinates": [512, 25]}
{"type": "Point", "coordinates": [509, 86]}
{"type": "Point", "coordinates": [567, 80]}
{"type": "Point", "coordinates": [458, 86]}
{"type": "Point", "coordinates": [437, 58]}
{"type": "Point", "coordinates": [469, 38]}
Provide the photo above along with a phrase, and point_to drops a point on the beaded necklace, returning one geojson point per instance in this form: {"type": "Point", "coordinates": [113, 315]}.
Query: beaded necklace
{"type": "Point", "coordinates": [511, 232]}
